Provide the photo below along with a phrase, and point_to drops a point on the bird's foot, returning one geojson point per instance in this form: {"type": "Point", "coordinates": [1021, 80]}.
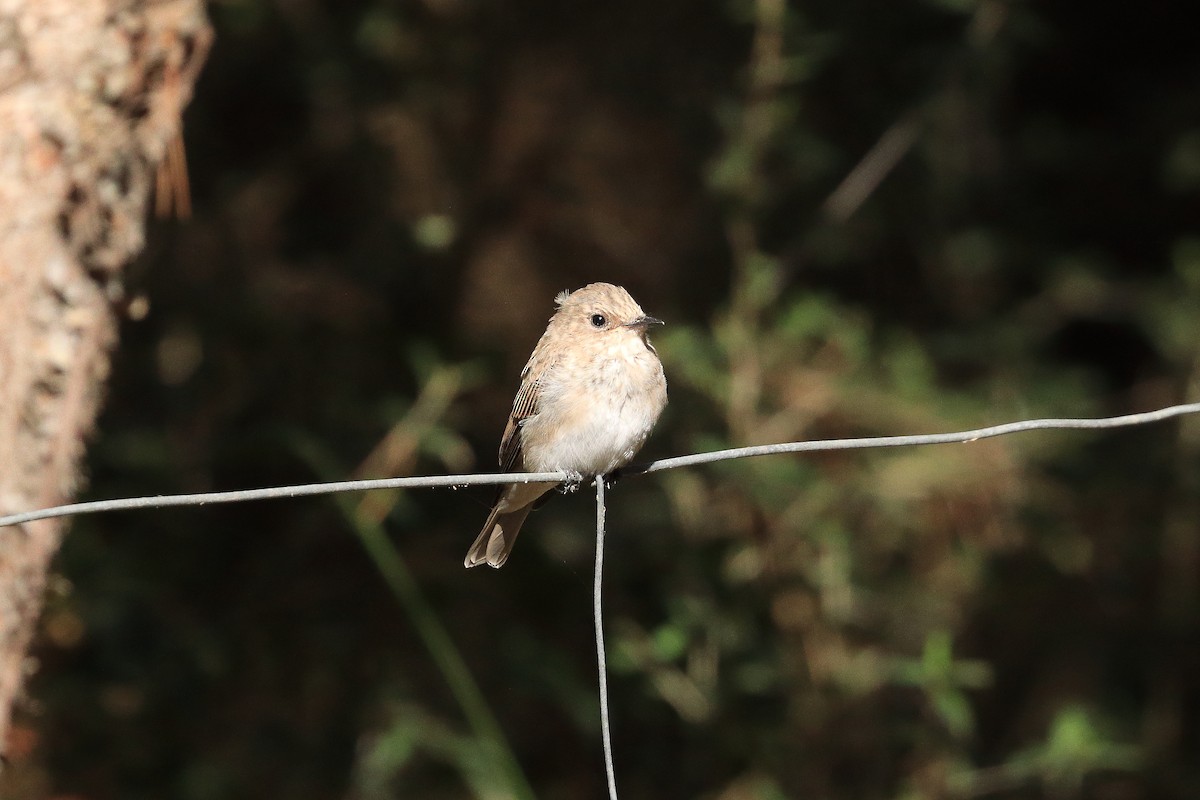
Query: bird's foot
{"type": "Point", "coordinates": [610, 480]}
{"type": "Point", "coordinates": [572, 483]}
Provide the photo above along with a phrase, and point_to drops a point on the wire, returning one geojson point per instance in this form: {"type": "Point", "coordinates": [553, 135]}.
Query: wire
{"type": "Point", "coordinates": [274, 492]}
{"type": "Point", "coordinates": [601, 662]}
{"type": "Point", "coordinates": [457, 481]}
{"type": "Point", "coordinates": [917, 439]}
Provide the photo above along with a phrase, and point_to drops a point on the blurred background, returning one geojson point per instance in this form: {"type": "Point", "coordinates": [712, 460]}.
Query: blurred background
{"type": "Point", "coordinates": [858, 218]}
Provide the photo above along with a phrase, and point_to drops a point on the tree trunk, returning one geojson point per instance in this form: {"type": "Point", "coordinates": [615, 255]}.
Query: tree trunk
{"type": "Point", "coordinates": [91, 93]}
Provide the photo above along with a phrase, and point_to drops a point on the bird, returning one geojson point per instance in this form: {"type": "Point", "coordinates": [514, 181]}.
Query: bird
{"type": "Point", "coordinates": [590, 394]}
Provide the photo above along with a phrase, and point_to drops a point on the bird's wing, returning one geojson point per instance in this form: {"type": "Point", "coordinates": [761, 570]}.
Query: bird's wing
{"type": "Point", "coordinates": [524, 406]}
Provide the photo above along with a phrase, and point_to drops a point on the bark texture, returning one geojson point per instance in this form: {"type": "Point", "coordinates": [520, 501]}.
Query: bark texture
{"type": "Point", "coordinates": [91, 93]}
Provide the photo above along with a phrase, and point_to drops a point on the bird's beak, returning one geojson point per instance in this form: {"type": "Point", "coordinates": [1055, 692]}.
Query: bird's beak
{"type": "Point", "coordinates": [643, 322]}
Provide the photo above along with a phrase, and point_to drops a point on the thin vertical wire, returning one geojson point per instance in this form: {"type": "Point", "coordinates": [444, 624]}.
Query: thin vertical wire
{"type": "Point", "coordinates": [598, 620]}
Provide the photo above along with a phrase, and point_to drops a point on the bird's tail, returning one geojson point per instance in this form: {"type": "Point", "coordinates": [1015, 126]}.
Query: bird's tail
{"type": "Point", "coordinates": [496, 539]}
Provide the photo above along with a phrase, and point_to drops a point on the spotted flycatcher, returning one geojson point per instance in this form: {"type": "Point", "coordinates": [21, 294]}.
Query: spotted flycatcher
{"type": "Point", "coordinates": [590, 394]}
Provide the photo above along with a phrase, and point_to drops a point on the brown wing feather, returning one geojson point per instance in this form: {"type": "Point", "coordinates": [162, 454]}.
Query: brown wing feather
{"type": "Point", "coordinates": [524, 406]}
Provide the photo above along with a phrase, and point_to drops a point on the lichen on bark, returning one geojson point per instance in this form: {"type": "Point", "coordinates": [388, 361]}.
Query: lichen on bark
{"type": "Point", "coordinates": [91, 94]}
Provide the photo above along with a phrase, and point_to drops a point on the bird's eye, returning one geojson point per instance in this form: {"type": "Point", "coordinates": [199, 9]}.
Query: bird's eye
{"type": "Point", "coordinates": [598, 320]}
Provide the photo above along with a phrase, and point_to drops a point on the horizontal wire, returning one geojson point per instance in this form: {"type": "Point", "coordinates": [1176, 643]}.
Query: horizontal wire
{"type": "Point", "coordinates": [274, 492]}
{"type": "Point", "coordinates": [461, 481]}
{"type": "Point", "coordinates": [913, 440]}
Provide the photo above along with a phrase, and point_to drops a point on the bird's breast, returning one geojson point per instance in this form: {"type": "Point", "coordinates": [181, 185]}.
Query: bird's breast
{"type": "Point", "coordinates": [594, 416]}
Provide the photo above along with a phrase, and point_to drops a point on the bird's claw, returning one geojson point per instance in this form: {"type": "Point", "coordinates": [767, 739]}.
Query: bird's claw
{"type": "Point", "coordinates": [572, 483]}
{"type": "Point", "coordinates": [610, 480]}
